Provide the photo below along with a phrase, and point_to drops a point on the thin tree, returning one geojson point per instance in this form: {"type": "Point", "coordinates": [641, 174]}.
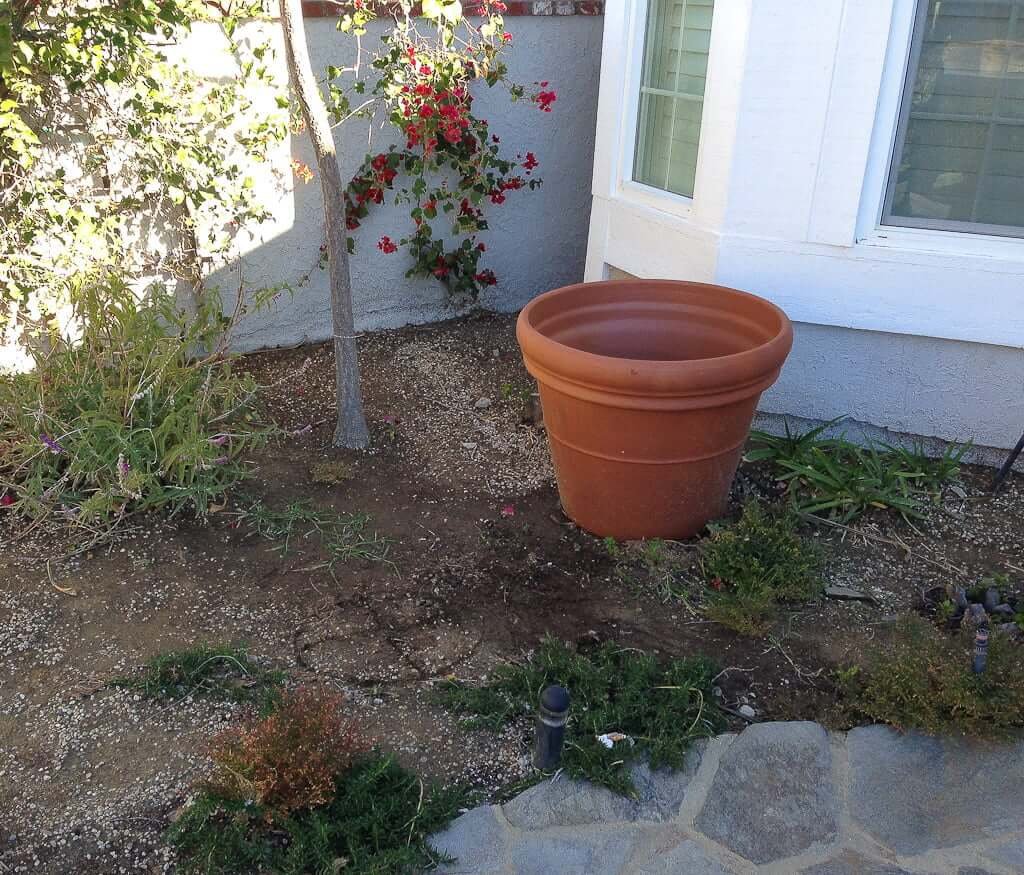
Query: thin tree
{"type": "Point", "coordinates": [351, 428]}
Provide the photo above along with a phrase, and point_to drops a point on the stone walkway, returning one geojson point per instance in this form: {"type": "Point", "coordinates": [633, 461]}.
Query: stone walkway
{"type": "Point", "coordinates": [779, 798]}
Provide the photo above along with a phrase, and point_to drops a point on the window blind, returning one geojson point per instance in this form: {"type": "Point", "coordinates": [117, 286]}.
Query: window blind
{"type": "Point", "coordinates": [675, 64]}
{"type": "Point", "coordinates": [959, 158]}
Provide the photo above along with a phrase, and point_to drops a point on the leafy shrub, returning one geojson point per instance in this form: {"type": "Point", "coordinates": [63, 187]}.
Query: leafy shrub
{"type": "Point", "coordinates": [225, 673]}
{"type": "Point", "coordinates": [754, 565]}
{"type": "Point", "coordinates": [832, 476]}
{"type": "Point", "coordinates": [664, 708]}
{"type": "Point", "coordinates": [288, 760]}
{"type": "Point", "coordinates": [293, 793]}
{"type": "Point", "coordinates": [140, 411]}
{"type": "Point", "coordinates": [922, 679]}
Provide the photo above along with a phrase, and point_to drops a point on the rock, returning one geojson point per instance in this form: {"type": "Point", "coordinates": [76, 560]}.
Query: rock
{"type": "Point", "coordinates": [1011, 854]}
{"type": "Point", "coordinates": [660, 792]}
{"type": "Point", "coordinates": [960, 598]}
{"type": "Point", "coordinates": [1002, 609]}
{"type": "Point", "coordinates": [773, 795]}
{"type": "Point", "coordinates": [914, 792]}
{"type": "Point", "coordinates": [747, 711]}
{"type": "Point", "coordinates": [676, 854]}
{"type": "Point", "coordinates": [991, 599]}
{"type": "Point", "coordinates": [976, 616]}
{"type": "Point", "coordinates": [848, 594]}
{"type": "Point", "coordinates": [567, 802]}
{"type": "Point", "coordinates": [851, 863]}
{"type": "Point", "coordinates": [477, 840]}
{"type": "Point", "coordinates": [469, 445]}
{"type": "Point", "coordinates": [482, 403]}
{"type": "Point", "coordinates": [571, 855]}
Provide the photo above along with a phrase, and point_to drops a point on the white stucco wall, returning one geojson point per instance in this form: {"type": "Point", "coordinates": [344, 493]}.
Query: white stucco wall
{"type": "Point", "coordinates": [904, 330]}
{"type": "Point", "coordinates": [536, 240]}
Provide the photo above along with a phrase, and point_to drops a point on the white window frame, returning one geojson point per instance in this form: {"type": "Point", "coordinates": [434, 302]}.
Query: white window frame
{"type": "Point", "coordinates": [882, 156]}
{"type": "Point", "coordinates": [625, 186]}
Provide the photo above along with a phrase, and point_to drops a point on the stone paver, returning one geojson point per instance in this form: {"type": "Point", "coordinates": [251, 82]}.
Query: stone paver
{"type": "Point", "coordinates": [914, 793]}
{"type": "Point", "coordinates": [767, 800]}
{"type": "Point", "coordinates": [773, 796]}
{"type": "Point", "coordinates": [851, 863]}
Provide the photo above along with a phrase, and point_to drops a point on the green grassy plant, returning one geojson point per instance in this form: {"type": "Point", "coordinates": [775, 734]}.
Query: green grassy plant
{"type": "Point", "coordinates": [663, 707]}
{"type": "Point", "coordinates": [756, 564]}
{"type": "Point", "coordinates": [921, 678]}
{"type": "Point", "coordinates": [837, 478]}
{"type": "Point", "coordinates": [139, 411]}
{"type": "Point", "coordinates": [222, 673]}
{"type": "Point", "coordinates": [343, 536]}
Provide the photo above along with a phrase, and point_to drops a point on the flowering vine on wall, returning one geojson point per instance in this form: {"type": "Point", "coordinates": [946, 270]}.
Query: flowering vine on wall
{"type": "Point", "coordinates": [451, 166]}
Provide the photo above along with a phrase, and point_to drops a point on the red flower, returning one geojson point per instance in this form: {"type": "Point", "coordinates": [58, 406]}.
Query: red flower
{"type": "Point", "coordinates": [506, 37]}
{"type": "Point", "coordinates": [531, 162]}
{"type": "Point", "coordinates": [351, 222]}
{"type": "Point", "coordinates": [387, 174]}
{"type": "Point", "coordinates": [453, 135]}
{"type": "Point", "coordinates": [424, 90]}
{"type": "Point", "coordinates": [380, 162]}
{"type": "Point", "coordinates": [386, 245]}
{"type": "Point", "coordinates": [7, 500]}
{"type": "Point", "coordinates": [426, 111]}
{"type": "Point", "coordinates": [544, 99]}
{"type": "Point", "coordinates": [425, 70]}
{"type": "Point", "coordinates": [497, 197]}
{"type": "Point", "coordinates": [486, 277]}
{"type": "Point", "coordinates": [481, 247]}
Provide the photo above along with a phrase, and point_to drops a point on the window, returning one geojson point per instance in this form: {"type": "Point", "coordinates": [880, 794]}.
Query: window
{"type": "Point", "coordinates": [672, 93]}
{"type": "Point", "coordinates": [959, 159]}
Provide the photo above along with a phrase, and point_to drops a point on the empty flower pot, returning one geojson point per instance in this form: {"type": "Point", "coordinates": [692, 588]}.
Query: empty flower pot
{"type": "Point", "coordinates": [648, 389]}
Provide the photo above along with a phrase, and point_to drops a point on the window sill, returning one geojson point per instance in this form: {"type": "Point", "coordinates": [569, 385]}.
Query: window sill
{"type": "Point", "coordinates": [946, 243]}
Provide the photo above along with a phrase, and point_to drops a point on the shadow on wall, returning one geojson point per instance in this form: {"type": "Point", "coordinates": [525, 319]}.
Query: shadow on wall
{"type": "Point", "coordinates": [536, 241]}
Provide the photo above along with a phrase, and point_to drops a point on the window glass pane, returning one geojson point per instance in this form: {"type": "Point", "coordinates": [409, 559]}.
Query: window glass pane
{"type": "Point", "coordinates": [672, 93]}
{"type": "Point", "coordinates": [960, 148]}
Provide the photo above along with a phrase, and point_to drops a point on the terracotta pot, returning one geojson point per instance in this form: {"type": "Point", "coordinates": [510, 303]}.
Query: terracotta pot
{"type": "Point", "coordinates": [648, 389]}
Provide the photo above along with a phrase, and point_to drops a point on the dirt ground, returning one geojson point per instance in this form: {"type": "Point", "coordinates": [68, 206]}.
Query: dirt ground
{"type": "Point", "coordinates": [482, 565]}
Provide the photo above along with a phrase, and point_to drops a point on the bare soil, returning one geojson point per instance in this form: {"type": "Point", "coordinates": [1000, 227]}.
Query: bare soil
{"type": "Point", "coordinates": [483, 564]}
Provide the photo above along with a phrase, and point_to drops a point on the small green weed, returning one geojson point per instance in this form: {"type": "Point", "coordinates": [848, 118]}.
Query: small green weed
{"type": "Point", "coordinates": [664, 708]}
{"type": "Point", "coordinates": [343, 536]}
{"type": "Point", "coordinates": [832, 476]}
{"type": "Point", "coordinates": [653, 565]}
{"type": "Point", "coordinates": [376, 823]}
{"type": "Point", "coordinates": [208, 671]}
{"type": "Point", "coordinates": [754, 565]}
{"type": "Point", "coordinates": [922, 679]}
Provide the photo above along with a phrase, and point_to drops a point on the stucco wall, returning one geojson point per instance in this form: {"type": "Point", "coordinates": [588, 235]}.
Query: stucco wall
{"type": "Point", "coordinates": [536, 241]}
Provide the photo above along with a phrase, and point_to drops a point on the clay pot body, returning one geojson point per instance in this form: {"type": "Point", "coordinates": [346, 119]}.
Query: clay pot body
{"type": "Point", "coordinates": [648, 389]}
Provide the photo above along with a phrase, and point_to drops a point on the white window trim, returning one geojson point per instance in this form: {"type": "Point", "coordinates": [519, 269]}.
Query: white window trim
{"type": "Point", "coordinates": [870, 230]}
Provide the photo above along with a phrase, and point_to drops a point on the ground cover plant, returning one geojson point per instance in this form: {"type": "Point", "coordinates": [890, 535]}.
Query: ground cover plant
{"type": "Point", "coordinates": [343, 536]}
{"type": "Point", "coordinates": [842, 480]}
{"type": "Point", "coordinates": [220, 672]}
{"type": "Point", "coordinates": [298, 791]}
{"type": "Point", "coordinates": [757, 564]}
{"type": "Point", "coordinates": [663, 708]}
{"type": "Point", "coordinates": [918, 677]}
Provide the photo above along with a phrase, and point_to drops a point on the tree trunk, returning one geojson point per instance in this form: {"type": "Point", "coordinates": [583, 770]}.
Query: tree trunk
{"type": "Point", "coordinates": [351, 428]}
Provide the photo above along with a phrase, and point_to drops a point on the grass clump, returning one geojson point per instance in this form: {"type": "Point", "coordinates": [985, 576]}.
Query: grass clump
{"type": "Point", "coordinates": [837, 478]}
{"type": "Point", "coordinates": [222, 673]}
{"type": "Point", "coordinates": [922, 679]}
{"type": "Point", "coordinates": [663, 707]}
{"type": "Point", "coordinates": [297, 792]}
{"type": "Point", "coordinates": [343, 536]}
{"type": "Point", "coordinates": [135, 408]}
{"type": "Point", "coordinates": [755, 565]}
{"type": "Point", "coordinates": [653, 565]}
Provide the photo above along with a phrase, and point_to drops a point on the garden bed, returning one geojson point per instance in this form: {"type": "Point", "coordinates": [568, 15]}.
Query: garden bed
{"type": "Point", "coordinates": [462, 562]}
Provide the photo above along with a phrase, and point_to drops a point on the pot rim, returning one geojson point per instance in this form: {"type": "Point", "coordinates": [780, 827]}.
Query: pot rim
{"type": "Point", "coordinates": [747, 371]}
